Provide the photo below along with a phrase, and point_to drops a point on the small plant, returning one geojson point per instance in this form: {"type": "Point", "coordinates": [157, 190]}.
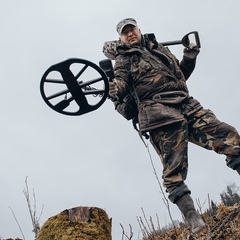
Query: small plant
{"type": "Point", "coordinates": [32, 209]}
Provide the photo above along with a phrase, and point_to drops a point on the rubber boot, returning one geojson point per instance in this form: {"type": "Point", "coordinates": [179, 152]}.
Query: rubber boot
{"type": "Point", "coordinates": [186, 206]}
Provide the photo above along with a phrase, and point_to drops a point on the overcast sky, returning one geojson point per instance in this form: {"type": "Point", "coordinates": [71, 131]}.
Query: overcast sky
{"type": "Point", "coordinates": [98, 159]}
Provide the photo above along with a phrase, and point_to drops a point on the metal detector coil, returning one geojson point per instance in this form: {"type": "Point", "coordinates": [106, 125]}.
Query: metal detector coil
{"type": "Point", "coordinates": [74, 87]}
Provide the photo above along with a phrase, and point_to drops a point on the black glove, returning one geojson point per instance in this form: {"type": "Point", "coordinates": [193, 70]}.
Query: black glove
{"type": "Point", "coordinates": [191, 52]}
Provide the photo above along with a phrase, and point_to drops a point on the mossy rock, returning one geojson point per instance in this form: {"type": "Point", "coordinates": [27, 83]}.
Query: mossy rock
{"type": "Point", "coordinates": [69, 225]}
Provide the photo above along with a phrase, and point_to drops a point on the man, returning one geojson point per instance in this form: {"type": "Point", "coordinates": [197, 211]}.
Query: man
{"type": "Point", "coordinates": [149, 76]}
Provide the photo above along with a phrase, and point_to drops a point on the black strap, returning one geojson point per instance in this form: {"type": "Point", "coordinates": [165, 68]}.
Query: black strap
{"type": "Point", "coordinates": [135, 120]}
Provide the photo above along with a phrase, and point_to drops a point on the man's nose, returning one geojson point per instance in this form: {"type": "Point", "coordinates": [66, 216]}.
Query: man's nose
{"type": "Point", "coordinates": [130, 33]}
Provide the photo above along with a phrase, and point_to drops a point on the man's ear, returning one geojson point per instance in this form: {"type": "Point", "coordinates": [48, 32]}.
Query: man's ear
{"type": "Point", "coordinates": [140, 31]}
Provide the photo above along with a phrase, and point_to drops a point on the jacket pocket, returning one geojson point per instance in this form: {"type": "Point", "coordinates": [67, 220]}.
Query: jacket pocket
{"type": "Point", "coordinates": [139, 67]}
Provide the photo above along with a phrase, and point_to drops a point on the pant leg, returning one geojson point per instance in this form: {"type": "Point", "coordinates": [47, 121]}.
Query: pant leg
{"type": "Point", "coordinates": [171, 143]}
{"type": "Point", "coordinates": [208, 132]}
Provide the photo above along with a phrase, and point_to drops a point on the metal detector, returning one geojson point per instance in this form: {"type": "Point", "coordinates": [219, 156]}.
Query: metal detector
{"type": "Point", "coordinates": [77, 86]}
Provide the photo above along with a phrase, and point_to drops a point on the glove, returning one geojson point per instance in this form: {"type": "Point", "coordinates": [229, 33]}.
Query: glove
{"type": "Point", "coordinates": [191, 52]}
{"type": "Point", "coordinates": [113, 90]}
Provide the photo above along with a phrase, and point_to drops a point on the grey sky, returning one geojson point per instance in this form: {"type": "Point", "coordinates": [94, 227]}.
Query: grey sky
{"type": "Point", "coordinates": [98, 159]}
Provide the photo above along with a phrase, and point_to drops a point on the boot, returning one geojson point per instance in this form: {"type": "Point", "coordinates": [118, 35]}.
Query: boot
{"type": "Point", "coordinates": [186, 206]}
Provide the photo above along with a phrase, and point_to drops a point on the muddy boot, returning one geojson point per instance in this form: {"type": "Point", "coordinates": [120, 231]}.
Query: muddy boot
{"type": "Point", "coordinates": [186, 206]}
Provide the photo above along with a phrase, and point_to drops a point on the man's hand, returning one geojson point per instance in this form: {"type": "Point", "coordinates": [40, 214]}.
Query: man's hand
{"type": "Point", "coordinates": [191, 52]}
{"type": "Point", "coordinates": [113, 90]}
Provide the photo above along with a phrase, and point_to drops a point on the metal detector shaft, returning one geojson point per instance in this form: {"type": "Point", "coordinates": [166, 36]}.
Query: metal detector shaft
{"type": "Point", "coordinates": [171, 43]}
{"type": "Point", "coordinates": [185, 41]}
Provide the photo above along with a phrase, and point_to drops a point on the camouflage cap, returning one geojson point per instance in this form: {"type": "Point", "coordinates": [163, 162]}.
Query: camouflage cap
{"type": "Point", "coordinates": [125, 22]}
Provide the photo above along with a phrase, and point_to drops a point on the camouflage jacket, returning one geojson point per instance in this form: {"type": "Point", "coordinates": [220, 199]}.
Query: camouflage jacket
{"type": "Point", "coordinates": [156, 79]}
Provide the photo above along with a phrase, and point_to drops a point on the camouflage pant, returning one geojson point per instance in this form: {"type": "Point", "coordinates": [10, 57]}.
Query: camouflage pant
{"type": "Point", "coordinates": [203, 129]}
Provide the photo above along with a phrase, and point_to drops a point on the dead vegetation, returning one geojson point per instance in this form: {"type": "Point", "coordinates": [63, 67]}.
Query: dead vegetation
{"type": "Point", "coordinates": [224, 224]}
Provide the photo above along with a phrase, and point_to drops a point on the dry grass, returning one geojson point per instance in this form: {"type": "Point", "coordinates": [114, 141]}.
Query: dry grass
{"type": "Point", "coordinates": [225, 224]}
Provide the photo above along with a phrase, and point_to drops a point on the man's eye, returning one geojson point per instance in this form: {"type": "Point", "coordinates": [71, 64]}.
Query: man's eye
{"type": "Point", "coordinates": [131, 29]}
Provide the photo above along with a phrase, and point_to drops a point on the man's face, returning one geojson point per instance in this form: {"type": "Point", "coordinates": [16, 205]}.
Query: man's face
{"type": "Point", "coordinates": [131, 35]}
